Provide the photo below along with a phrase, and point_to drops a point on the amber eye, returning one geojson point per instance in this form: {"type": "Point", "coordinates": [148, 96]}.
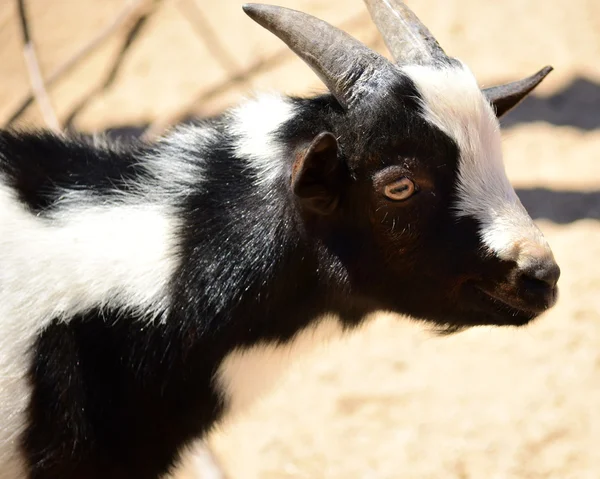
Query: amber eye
{"type": "Point", "coordinates": [400, 190]}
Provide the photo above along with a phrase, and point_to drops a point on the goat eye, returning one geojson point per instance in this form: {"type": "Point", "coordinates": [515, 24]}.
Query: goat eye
{"type": "Point", "coordinates": [400, 190]}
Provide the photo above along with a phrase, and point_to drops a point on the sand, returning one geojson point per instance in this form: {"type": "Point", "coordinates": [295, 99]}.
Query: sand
{"type": "Point", "coordinates": [393, 400]}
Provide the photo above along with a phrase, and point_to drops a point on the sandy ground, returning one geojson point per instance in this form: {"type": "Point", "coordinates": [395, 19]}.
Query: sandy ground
{"type": "Point", "coordinates": [392, 401]}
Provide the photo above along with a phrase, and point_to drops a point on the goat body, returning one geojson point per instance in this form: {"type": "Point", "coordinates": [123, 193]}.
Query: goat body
{"type": "Point", "coordinates": [143, 288]}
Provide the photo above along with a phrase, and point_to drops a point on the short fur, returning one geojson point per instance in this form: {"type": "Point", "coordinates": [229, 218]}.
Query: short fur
{"type": "Point", "coordinates": [148, 290]}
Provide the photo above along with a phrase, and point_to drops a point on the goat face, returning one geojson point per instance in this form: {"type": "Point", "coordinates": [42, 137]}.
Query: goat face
{"type": "Point", "coordinates": [408, 190]}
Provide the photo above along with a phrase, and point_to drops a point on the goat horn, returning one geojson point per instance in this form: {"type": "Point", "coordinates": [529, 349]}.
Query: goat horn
{"type": "Point", "coordinates": [506, 97]}
{"type": "Point", "coordinates": [407, 39]}
{"type": "Point", "coordinates": [346, 66]}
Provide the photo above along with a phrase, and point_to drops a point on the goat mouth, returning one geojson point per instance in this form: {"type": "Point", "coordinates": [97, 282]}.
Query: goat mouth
{"type": "Point", "coordinates": [505, 309]}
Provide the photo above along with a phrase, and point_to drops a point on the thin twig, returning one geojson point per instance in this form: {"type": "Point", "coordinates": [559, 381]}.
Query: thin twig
{"type": "Point", "coordinates": [195, 17]}
{"type": "Point", "coordinates": [130, 11]}
{"type": "Point", "coordinates": [132, 35]}
{"type": "Point", "coordinates": [35, 75]}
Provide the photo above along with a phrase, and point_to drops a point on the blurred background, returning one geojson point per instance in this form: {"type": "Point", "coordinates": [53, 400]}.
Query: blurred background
{"type": "Point", "coordinates": [393, 401]}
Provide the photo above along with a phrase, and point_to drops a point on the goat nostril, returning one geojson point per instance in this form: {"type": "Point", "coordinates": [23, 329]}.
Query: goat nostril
{"type": "Point", "coordinates": [542, 274]}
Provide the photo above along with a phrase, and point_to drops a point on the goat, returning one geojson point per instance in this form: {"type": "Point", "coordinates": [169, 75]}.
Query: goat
{"type": "Point", "coordinates": [148, 290]}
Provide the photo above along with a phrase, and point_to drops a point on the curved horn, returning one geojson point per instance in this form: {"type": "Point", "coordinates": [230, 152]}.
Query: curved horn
{"type": "Point", "coordinates": [407, 39]}
{"type": "Point", "coordinates": [505, 97]}
{"type": "Point", "coordinates": [343, 63]}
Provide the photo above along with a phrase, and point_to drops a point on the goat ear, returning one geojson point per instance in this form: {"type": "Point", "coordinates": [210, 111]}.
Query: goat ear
{"type": "Point", "coordinates": [317, 175]}
{"type": "Point", "coordinates": [505, 97]}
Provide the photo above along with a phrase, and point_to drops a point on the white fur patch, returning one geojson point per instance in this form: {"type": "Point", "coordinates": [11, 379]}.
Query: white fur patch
{"type": "Point", "coordinates": [177, 165]}
{"type": "Point", "coordinates": [455, 104]}
{"type": "Point", "coordinates": [254, 124]}
{"type": "Point", "coordinates": [246, 374]}
{"type": "Point", "coordinates": [82, 257]}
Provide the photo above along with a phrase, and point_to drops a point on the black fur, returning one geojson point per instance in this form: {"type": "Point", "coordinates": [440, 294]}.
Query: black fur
{"type": "Point", "coordinates": [41, 167]}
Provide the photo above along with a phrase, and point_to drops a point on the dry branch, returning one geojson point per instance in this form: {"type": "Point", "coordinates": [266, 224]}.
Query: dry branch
{"type": "Point", "coordinates": [33, 68]}
{"type": "Point", "coordinates": [195, 17]}
{"type": "Point", "coordinates": [132, 9]}
{"type": "Point", "coordinates": [138, 21]}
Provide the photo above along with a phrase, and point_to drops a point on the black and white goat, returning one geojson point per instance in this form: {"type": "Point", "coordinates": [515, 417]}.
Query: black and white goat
{"type": "Point", "coordinates": [148, 290]}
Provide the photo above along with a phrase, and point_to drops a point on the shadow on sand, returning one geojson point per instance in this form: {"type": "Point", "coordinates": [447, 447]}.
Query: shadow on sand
{"type": "Point", "coordinates": [560, 206]}
{"type": "Point", "coordinates": [578, 105]}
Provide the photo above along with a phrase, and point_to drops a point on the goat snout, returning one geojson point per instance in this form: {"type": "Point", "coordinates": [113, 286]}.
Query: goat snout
{"type": "Point", "coordinates": [531, 286]}
{"type": "Point", "coordinates": [538, 278]}
{"type": "Point", "coordinates": [541, 274]}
